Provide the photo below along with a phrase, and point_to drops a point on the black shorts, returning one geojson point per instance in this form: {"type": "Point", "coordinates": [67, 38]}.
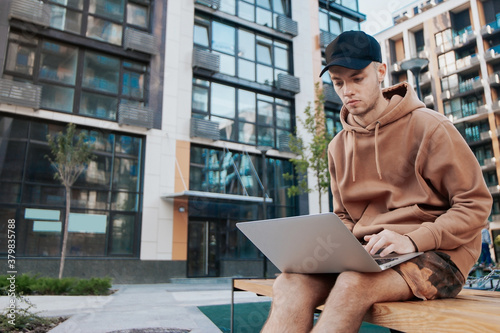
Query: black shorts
{"type": "Point", "coordinates": [432, 275]}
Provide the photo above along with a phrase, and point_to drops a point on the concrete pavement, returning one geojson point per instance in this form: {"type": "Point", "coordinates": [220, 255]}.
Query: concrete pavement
{"type": "Point", "coordinates": [158, 308]}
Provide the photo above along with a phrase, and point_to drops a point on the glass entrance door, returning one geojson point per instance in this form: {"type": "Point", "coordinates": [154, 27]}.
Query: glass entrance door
{"type": "Point", "coordinates": [203, 256]}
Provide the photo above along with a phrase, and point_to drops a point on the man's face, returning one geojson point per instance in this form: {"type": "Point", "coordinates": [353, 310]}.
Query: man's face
{"type": "Point", "coordinates": [360, 89]}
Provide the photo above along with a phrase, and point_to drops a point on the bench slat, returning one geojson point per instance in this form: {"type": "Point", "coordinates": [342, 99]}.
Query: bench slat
{"type": "Point", "coordinates": [472, 310]}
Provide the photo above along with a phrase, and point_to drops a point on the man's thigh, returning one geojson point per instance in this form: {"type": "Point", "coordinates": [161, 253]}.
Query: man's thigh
{"type": "Point", "coordinates": [432, 275]}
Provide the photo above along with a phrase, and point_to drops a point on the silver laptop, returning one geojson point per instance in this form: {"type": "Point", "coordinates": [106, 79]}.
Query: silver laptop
{"type": "Point", "coordinates": [318, 243]}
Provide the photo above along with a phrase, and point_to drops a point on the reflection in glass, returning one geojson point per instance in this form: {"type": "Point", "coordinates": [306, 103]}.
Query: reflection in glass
{"type": "Point", "coordinates": [124, 201]}
{"type": "Point", "coordinates": [226, 128]}
{"type": "Point", "coordinates": [264, 53]}
{"type": "Point", "coordinates": [57, 98]}
{"type": "Point", "coordinates": [138, 15]}
{"type": "Point", "coordinates": [201, 35]}
{"type": "Point", "coordinates": [65, 19]}
{"type": "Point", "coordinates": [246, 11]}
{"type": "Point", "coordinates": [58, 63]}
{"type": "Point", "coordinates": [247, 133]}
{"type": "Point", "coordinates": [223, 38]}
{"type": "Point", "coordinates": [265, 75]}
{"type": "Point", "coordinates": [265, 111]}
{"type": "Point", "coordinates": [98, 106]}
{"type": "Point", "coordinates": [264, 17]}
{"type": "Point", "coordinates": [200, 99]}
{"type": "Point", "coordinates": [20, 58]}
{"type": "Point", "coordinates": [101, 72]}
{"type": "Point", "coordinates": [103, 30]}
{"type": "Point", "coordinates": [222, 102]}
{"type": "Point", "coordinates": [266, 136]}
{"type": "Point", "coordinates": [125, 174]}
{"type": "Point", "coordinates": [122, 234]}
{"type": "Point", "coordinates": [246, 105]}
{"type": "Point", "coordinates": [281, 58]}
{"type": "Point", "coordinates": [227, 64]}
{"type": "Point", "coordinates": [246, 70]}
{"type": "Point", "coordinates": [113, 9]}
{"type": "Point", "coordinates": [246, 45]}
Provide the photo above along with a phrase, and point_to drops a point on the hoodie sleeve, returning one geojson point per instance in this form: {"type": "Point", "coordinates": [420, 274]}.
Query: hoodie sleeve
{"type": "Point", "coordinates": [447, 164]}
{"type": "Point", "coordinates": [338, 207]}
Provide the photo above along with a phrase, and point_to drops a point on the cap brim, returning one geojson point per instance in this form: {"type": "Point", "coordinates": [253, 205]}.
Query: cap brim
{"type": "Point", "coordinates": [350, 63]}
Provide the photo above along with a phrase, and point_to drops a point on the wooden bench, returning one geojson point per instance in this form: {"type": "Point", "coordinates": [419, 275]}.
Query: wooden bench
{"type": "Point", "coordinates": [472, 310]}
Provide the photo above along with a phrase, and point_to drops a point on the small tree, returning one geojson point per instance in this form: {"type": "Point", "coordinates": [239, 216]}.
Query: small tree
{"type": "Point", "coordinates": [71, 154]}
{"type": "Point", "coordinates": [312, 155]}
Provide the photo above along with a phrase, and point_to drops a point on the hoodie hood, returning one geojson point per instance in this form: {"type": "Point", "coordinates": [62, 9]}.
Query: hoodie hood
{"type": "Point", "coordinates": [402, 101]}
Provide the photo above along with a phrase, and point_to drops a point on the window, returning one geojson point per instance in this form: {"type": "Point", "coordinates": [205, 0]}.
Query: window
{"type": "Point", "coordinates": [244, 54]}
{"type": "Point", "coordinates": [105, 80]}
{"type": "Point", "coordinates": [106, 198]}
{"type": "Point", "coordinates": [233, 172]}
{"type": "Point", "coordinates": [263, 12]}
{"type": "Point", "coordinates": [103, 20]}
{"type": "Point", "coordinates": [335, 23]}
{"type": "Point", "coordinates": [243, 116]}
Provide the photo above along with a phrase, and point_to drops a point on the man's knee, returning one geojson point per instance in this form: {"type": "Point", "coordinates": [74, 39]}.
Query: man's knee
{"type": "Point", "coordinates": [303, 287]}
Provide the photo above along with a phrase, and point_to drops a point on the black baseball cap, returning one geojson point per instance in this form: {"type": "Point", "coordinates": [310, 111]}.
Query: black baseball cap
{"type": "Point", "coordinates": [352, 49]}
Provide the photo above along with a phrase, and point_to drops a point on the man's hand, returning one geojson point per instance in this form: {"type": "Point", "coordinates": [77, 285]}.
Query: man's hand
{"type": "Point", "coordinates": [389, 241]}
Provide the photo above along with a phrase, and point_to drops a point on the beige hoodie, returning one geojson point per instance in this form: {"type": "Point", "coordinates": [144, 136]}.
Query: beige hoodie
{"type": "Point", "coordinates": [410, 172]}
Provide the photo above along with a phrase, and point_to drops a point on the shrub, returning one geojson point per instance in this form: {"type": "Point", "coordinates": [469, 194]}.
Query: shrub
{"type": "Point", "coordinates": [27, 284]}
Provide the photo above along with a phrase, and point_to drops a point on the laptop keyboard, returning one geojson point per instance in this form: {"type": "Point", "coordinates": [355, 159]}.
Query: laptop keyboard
{"type": "Point", "coordinates": [382, 261]}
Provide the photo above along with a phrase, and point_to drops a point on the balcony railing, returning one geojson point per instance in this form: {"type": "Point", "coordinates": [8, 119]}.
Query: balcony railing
{"type": "Point", "coordinates": [135, 115]}
{"type": "Point", "coordinates": [330, 94]}
{"type": "Point", "coordinates": [140, 41]}
{"type": "Point", "coordinates": [206, 60]}
{"type": "Point", "coordinates": [326, 38]}
{"type": "Point", "coordinates": [429, 100]}
{"type": "Point", "coordinates": [287, 25]}
{"type": "Point", "coordinates": [32, 11]}
{"type": "Point", "coordinates": [203, 128]}
{"type": "Point", "coordinates": [20, 93]}
{"type": "Point", "coordinates": [288, 83]}
{"type": "Point", "coordinates": [492, 53]}
{"type": "Point", "coordinates": [491, 27]}
{"type": "Point", "coordinates": [460, 65]}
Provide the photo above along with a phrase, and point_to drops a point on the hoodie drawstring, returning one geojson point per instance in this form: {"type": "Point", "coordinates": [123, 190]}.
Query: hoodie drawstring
{"type": "Point", "coordinates": [377, 163]}
{"type": "Point", "coordinates": [353, 156]}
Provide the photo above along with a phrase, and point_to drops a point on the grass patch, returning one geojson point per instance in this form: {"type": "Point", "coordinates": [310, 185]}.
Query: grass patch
{"type": "Point", "coordinates": [27, 284]}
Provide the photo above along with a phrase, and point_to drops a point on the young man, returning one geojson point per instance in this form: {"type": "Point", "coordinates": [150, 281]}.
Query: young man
{"type": "Point", "coordinates": [403, 180]}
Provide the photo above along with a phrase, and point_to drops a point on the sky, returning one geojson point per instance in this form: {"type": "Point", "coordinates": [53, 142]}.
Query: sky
{"type": "Point", "coordinates": [379, 13]}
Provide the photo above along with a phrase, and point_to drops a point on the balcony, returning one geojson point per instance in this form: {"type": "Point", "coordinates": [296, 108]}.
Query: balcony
{"type": "Point", "coordinates": [494, 79]}
{"type": "Point", "coordinates": [464, 88]}
{"type": "Point", "coordinates": [20, 93]}
{"type": "Point", "coordinates": [488, 164]}
{"type": "Point", "coordinates": [326, 38]}
{"type": "Point", "coordinates": [287, 25]}
{"type": "Point", "coordinates": [135, 115]}
{"type": "Point", "coordinates": [206, 60]}
{"type": "Point", "coordinates": [495, 106]}
{"type": "Point", "coordinates": [491, 28]}
{"type": "Point", "coordinates": [427, 5]}
{"type": "Point", "coordinates": [140, 41]}
{"type": "Point", "coordinates": [463, 37]}
{"type": "Point", "coordinates": [492, 54]}
{"type": "Point", "coordinates": [32, 11]}
{"type": "Point", "coordinates": [288, 83]}
{"type": "Point", "coordinates": [214, 4]}
{"type": "Point", "coordinates": [461, 65]}
{"type": "Point", "coordinates": [330, 95]}
{"type": "Point", "coordinates": [425, 78]}
{"type": "Point", "coordinates": [494, 189]}
{"type": "Point", "coordinates": [202, 128]}
{"type": "Point", "coordinates": [429, 100]}
{"type": "Point", "coordinates": [401, 18]}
